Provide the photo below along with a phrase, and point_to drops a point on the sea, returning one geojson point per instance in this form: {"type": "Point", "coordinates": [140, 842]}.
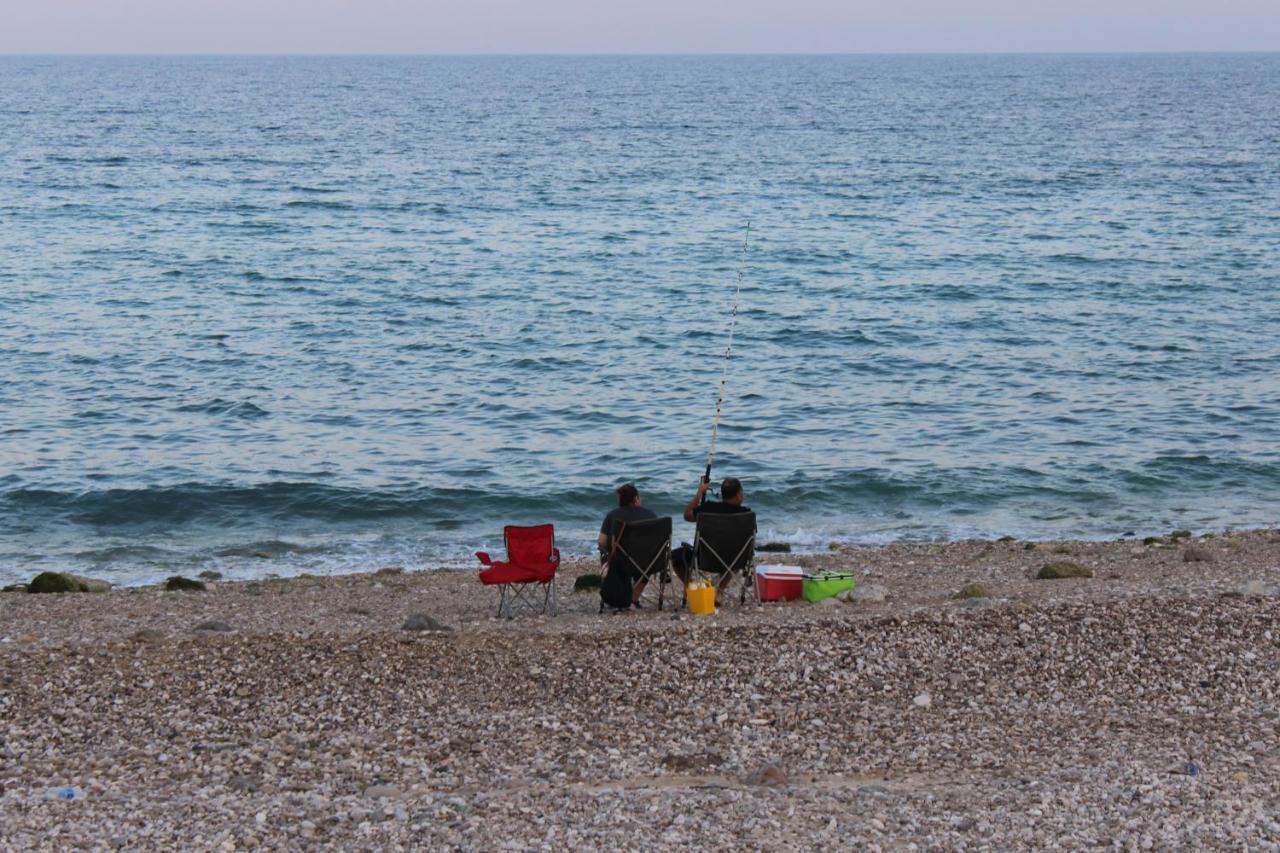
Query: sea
{"type": "Point", "coordinates": [282, 315]}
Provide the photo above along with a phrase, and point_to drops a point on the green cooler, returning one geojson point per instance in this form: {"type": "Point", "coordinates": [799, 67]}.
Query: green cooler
{"type": "Point", "coordinates": [826, 585]}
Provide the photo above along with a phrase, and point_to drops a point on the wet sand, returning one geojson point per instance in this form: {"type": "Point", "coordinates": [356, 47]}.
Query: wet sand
{"type": "Point", "coordinates": [1055, 712]}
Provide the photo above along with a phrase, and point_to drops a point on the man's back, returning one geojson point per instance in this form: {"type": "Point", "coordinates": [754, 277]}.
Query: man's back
{"type": "Point", "coordinates": [719, 508]}
{"type": "Point", "coordinates": [627, 514]}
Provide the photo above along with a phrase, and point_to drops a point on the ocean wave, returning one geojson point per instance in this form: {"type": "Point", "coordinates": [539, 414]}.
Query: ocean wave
{"type": "Point", "coordinates": [227, 408]}
{"type": "Point", "coordinates": [228, 505]}
{"type": "Point", "coordinates": [127, 553]}
{"type": "Point", "coordinates": [1200, 473]}
{"type": "Point", "coordinates": [319, 204]}
{"type": "Point", "coordinates": [853, 493]}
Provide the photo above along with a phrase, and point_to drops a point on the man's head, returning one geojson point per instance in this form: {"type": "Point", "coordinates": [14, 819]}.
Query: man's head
{"type": "Point", "coordinates": [628, 495]}
{"type": "Point", "coordinates": [731, 490]}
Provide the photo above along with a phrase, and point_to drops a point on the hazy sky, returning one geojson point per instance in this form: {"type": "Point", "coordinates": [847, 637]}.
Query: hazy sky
{"type": "Point", "coordinates": [633, 26]}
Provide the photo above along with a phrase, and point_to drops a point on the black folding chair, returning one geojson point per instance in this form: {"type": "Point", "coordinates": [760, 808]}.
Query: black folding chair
{"type": "Point", "coordinates": [643, 550]}
{"type": "Point", "coordinates": [724, 551]}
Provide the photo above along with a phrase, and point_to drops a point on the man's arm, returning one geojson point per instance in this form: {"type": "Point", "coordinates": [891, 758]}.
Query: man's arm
{"type": "Point", "coordinates": [602, 541]}
{"type": "Point", "coordinates": [703, 485]}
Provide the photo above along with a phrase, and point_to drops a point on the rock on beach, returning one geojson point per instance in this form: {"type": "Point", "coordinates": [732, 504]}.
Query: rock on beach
{"type": "Point", "coordinates": [974, 590]}
{"type": "Point", "coordinates": [871, 593]}
{"type": "Point", "coordinates": [53, 582]}
{"type": "Point", "coordinates": [1063, 569]}
{"type": "Point", "coordinates": [178, 583]}
{"type": "Point", "coordinates": [423, 622]}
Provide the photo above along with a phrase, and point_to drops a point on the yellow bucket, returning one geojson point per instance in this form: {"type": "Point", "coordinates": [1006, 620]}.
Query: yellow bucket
{"type": "Point", "coordinates": [702, 597]}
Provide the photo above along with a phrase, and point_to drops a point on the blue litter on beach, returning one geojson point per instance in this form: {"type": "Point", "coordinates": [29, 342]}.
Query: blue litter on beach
{"type": "Point", "coordinates": [65, 793]}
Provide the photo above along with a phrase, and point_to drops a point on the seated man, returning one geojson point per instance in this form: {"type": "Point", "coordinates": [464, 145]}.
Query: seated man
{"type": "Point", "coordinates": [730, 502]}
{"type": "Point", "coordinates": [628, 509]}
{"type": "Point", "coordinates": [730, 499]}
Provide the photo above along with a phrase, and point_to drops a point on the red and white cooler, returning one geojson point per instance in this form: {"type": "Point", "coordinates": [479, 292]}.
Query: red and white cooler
{"type": "Point", "coordinates": [779, 583]}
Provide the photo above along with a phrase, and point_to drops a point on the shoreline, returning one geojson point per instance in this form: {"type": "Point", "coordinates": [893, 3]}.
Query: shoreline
{"type": "Point", "coordinates": [276, 560]}
{"type": "Point", "coordinates": [1051, 712]}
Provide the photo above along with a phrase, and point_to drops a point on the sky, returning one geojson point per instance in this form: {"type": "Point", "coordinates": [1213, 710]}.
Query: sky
{"type": "Point", "coordinates": [635, 26]}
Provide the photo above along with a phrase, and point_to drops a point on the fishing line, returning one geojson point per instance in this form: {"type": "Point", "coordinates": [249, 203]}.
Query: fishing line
{"type": "Point", "coordinates": [728, 352]}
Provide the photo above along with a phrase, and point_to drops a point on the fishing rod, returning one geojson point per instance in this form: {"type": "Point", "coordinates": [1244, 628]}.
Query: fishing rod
{"type": "Point", "coordinates": [728, 351]}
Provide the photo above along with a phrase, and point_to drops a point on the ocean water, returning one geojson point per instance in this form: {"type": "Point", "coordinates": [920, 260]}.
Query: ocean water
{"type": "Point", "coordinates": [273, 315]}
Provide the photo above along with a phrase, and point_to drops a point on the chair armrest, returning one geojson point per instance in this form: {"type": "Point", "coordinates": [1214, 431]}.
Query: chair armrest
{"type": "Point", "coordinates": [555, 556]}
{"type": "Point", "coordinates": [483, 557]}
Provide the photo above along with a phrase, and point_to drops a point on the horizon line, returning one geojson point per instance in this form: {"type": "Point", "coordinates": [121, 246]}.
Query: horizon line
{"type": "Point", "coordinates": [566, 54]}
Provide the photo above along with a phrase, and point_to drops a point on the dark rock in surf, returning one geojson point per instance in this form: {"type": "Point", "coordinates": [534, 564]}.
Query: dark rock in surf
{"type": "Point", "coordinates": [211, 575]}
{"type": "Point", "coordinates": [774, 548]}
{"type": "Point", "coordinates": [178, 583]}
{"type": "Point", "coordinates": [54, 582]}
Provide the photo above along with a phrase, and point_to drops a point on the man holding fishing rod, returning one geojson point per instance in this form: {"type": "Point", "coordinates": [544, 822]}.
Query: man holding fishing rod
{"type": "Point", "coordinates": [730, 488]}
{"type": "Point", "coordinates": [730, 499]}
{"type": "Point", "coordinates": [731, 496]}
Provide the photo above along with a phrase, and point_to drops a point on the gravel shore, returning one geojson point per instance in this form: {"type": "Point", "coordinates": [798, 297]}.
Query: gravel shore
{"type": "Point", "coordinates": [1137, 708]}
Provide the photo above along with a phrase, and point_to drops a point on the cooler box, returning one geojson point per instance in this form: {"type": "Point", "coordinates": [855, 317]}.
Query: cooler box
{"type": "Point", "coordinates": [825, 585]}
{"type": "Point", "coordinates": [779, 583]}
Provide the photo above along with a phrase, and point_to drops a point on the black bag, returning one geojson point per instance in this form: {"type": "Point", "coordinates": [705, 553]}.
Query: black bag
{"type": "Point", "coordinates": [615, 586]}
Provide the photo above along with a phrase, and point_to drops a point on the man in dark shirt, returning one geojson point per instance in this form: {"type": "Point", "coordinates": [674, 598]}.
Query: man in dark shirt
{"type": "Point", "coordinates": [628, 510]}
{"type": "Point", "coordinates": [730, 499]}
{"type": "Point", "coordinates": [730, 502]}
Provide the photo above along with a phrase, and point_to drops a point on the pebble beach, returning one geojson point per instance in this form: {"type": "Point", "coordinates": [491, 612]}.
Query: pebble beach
{"type": "Point", "coordinates": [1135, 708]}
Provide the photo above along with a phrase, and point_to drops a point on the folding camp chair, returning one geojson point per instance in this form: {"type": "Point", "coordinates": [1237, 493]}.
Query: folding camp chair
{"type": "Point", "coordinates": [724, 551]}
{"type": "Point", "coordinates": [532, 559]}
{"type": "Point", "coordinates": [644, 550]}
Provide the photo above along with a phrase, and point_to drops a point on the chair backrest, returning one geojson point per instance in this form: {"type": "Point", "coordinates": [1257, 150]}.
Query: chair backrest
{"type": "Point", "coordinates": [643, 543]}
{"type": "Point", "coordinates": [724, 541]}
{"type": "Point", "coordinates": [530, 546]}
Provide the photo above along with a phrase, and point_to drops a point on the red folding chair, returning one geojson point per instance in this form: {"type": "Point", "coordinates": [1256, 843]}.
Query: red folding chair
{"type": "Point", "coordinates": [532, 558]}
